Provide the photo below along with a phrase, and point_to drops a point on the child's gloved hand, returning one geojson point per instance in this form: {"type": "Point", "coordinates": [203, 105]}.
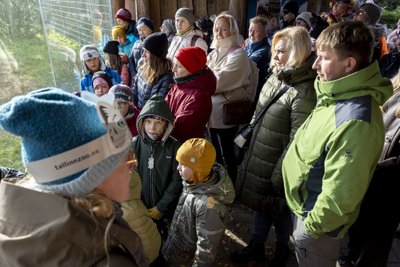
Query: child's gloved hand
{"type": "Point", "coordinates": [155, 213]}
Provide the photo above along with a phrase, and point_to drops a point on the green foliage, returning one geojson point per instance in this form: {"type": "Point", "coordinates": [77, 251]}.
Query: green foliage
{"type": "Point", "coordinates": [10, 152]}
{"type": "Point", "coordinates": [390, 18]}
{"type": "Point", "coordinates": [389, 5]}
{"type": "Point", "coordinates": [19, 17]}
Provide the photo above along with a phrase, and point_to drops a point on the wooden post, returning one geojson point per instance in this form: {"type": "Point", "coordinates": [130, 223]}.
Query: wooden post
{"type": "Point", "coordinates": [155, 14]}
{"type": "Point", "coordinates": [168, 9]}
{"type": "Point", "coordinates": [115, 5]}
{"type": "Point", "coordinates": [142, 8]}
{"type": "Point", "coordinates": [238, 10]}
{"type": "Point", "coordinates": [185, 3]}
{"type": "Point", "coordinates": [200, 8]}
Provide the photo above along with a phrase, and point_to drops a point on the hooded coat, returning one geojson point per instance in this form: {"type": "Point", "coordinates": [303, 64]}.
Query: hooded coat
{"type": "Point", "coordinates": [198, 224]}
{"type": "Point", "coordinates": [260, 182]}
{"type": "Point", "coordinates": [45, 229]}
{"type": "Point", "coordinates": [161, 183]}
{"type": "Point", "coordinates": [190, 101]}
{"type": "Point", "coordinates": [330, 162]}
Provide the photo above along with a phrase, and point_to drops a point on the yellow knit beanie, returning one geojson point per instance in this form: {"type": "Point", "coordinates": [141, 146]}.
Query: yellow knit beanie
{"type": "Point", "coordinates": [199, 155]}
{"type": "Point", "coordinates": [118, 31]}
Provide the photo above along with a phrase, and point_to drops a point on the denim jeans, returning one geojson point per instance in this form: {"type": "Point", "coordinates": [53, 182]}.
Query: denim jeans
{"type": "Point", "coordinates": [263, 222]}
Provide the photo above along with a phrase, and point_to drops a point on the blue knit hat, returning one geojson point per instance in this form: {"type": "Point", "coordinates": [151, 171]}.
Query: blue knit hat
{"type": "Point", "coordinates": [69, 145]}
{"type": "Point", "coordinates": [146, 21]}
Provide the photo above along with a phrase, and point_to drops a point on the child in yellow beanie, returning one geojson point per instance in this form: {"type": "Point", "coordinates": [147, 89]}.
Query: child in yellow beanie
{"type": "Point", "coordinates": [197, 227]}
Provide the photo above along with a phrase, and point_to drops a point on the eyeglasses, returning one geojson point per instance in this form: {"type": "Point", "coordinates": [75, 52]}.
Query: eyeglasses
{"type": "Point", "coordinates": [285, 11]}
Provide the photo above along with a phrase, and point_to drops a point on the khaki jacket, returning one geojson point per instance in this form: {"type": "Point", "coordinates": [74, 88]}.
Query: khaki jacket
{"type": "Point", "coordinates": [44, 229]}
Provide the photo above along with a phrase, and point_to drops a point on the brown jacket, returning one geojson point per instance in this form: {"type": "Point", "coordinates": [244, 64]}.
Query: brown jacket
{"type": "Point", "coordinates": [43, 229]}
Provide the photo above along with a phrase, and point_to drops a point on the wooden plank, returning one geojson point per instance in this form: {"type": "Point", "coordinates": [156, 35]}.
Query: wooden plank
{"type": "Point", "coordinates": [168, 9]}
{"type": "Point", "coordinates": [155, 14]}
{"type": "Point", "coordinates": [115, 5]}
{"type": "Point", "coordinates": [237, 8]}
{"type": "Point", "coordinates": [200, 8]}
{"type": "Point", "coordinates": [142, 8]}
{"type": "Point", "coordinates": [222, 5]}
{"type": "Point", "coordinates": [212, 7]}
{"type": "Point", "coordinates": [185, 3]}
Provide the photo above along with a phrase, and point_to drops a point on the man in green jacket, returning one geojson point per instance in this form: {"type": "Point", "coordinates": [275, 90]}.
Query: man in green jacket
{"type": "Point", "coordinates": [329, 165]}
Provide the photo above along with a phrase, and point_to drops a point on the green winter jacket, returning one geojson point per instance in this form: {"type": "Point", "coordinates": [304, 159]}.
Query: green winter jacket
{"type": "Point", "coordinates": [329, 165]}
{"type": "Point", "coordinates": [260, 182]}
{"type": "Point", "coordinates": [161, 182]}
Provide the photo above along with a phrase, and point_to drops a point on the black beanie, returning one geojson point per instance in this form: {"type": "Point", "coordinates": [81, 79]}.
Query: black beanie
{"type": "Point", "coordinates": [111, 47]}
{"type": "Point", "coordinates": [292, 7]}
{"type": "Point", "coordinates": [157, 44]}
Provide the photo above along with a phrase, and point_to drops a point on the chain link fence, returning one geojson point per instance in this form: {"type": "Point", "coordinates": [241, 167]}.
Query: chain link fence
{"type": "Point", "coordinates": [86, 22]}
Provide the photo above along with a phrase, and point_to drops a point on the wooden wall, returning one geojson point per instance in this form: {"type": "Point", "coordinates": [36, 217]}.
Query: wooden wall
{"type": "Point", "coordinates": [158, 10]}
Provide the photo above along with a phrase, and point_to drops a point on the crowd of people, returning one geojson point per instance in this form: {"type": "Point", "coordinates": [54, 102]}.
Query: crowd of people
{"type": "Point", "coordinates": [139, 166]}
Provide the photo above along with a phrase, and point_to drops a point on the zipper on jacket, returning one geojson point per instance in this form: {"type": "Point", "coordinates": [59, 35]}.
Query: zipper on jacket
{"type": "Point", "coordinates": [150, 166]}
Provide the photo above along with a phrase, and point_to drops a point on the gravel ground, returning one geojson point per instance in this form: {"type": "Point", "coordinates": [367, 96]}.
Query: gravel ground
{"type": "Point", "coordinates": [238, 233]}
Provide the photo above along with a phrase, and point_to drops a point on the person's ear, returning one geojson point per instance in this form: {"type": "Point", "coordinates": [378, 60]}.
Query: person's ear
{"type": "Point", "coordinates": [350, 65]}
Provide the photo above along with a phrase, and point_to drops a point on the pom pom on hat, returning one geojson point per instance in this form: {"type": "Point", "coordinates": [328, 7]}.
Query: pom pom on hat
{"type": "Point", "coordinates": [118, 31]}
{"type": "Point", "coordinates": [192, 58]}
{"type": "Point", "coordinates": [186, 13]}
{"type": "Point", "coordinates": [111, 47]}
{"type": "Point", "coordinates": [122, 93]}
{"type": "Point", "coordinates": [51, 123]}
{"type": "Point", "coordinates": [124, 14]}
{"type": "Point", "coordinates": [199, 155]}
{"type": "Point", "coordinates": [292, 7]}
{"type": "Point", "coordinates": [146, 21]}
{"type": "Point", "coordinates": [373, 11]}
{"type": "Point", "coordinates": [306, 17]}
{"type": "Point", "coordinates": [157, 44]}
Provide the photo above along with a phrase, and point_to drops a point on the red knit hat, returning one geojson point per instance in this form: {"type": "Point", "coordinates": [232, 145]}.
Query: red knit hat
{"type": "Point", "coordinates": [192, 58]}
{"type": "Point", "coordinates": [124, 14]}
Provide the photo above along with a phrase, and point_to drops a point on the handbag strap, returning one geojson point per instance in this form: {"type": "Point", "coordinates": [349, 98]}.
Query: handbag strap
{"type": "Point", "coordinates": [273, 100]}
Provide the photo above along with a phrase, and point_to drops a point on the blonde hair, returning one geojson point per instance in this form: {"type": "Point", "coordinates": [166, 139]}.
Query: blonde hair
{"type": "Point", "coordinates": [97, 203]}
{"type": "Point", "coordinates": [233, 28]}
{"type": "Point", "coordinates": [396, 82]}
{"type": "Point", "coordinates": [260, 20]}
{"type": "Point", "coordinates": [298, 41]}
{"type": "Point", "coordinates": [152, 69]}
{"type": "Point", "coordinates": [348, 39]}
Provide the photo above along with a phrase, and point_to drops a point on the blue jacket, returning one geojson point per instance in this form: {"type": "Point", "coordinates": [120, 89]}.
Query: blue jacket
{"type": "Point", "coordinates": [126, 47]}
{"type": "Point", "coordinates": [142, 91]}
{"type": "Point", "coordinates": [260, 53]}
{"type": "Point", "coordinates": [86, 81]}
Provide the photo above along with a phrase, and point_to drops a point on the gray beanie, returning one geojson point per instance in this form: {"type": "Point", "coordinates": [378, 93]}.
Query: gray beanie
{"type": "Point", "coordinates": [170, 25]}
{"type": "Point", "coordinates": [306, 17]}
{"type": "Point", "coordinates": [373, 11]}
{"type": "Point", "coordinates": [186, 13]}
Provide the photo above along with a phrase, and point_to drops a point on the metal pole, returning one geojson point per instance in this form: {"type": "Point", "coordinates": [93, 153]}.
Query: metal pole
{"type": "Point", "coordinates": [47, 44]}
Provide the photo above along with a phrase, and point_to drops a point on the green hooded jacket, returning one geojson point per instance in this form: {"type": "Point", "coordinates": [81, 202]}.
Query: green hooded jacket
{"type": "Point", "coordinates": [330, 162]}
{"type": "Point", "coordinates": [161, 182]}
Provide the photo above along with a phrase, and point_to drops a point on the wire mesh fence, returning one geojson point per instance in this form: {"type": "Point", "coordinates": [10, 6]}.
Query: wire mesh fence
{"type": "Point", "coordinates": [86, 22]}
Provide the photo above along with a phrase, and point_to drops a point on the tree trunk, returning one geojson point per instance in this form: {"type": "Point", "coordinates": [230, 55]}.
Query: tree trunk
{"type": "Point", "coordinates": [238, 10]}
